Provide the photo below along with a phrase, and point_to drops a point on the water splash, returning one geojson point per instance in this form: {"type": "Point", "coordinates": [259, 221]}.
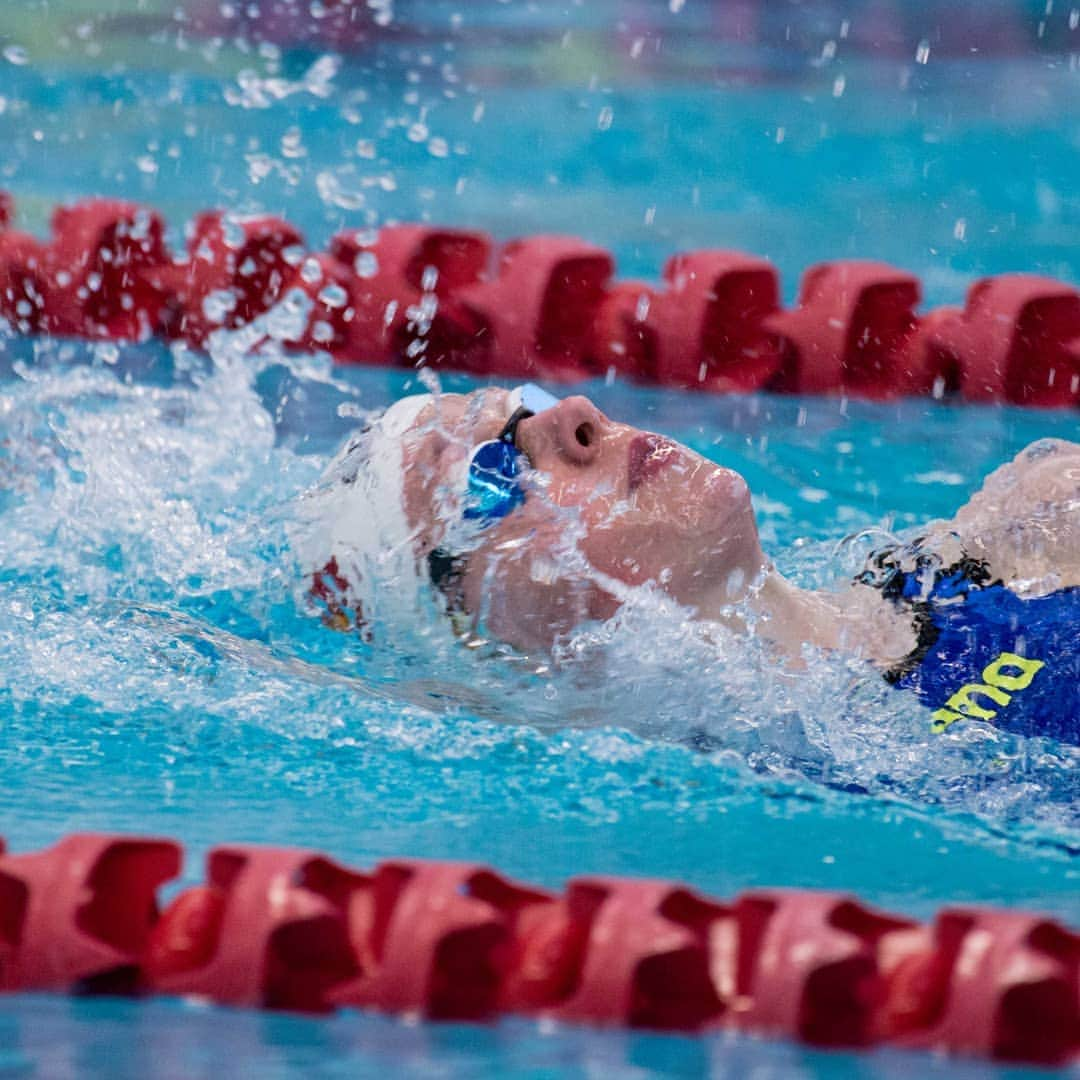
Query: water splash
{"type": "Point", "coordinates": [145, 500]}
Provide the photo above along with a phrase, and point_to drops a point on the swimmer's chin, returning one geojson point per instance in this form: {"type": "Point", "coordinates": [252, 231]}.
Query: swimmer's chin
{"type": "Point", "coordinates": [726, 492]}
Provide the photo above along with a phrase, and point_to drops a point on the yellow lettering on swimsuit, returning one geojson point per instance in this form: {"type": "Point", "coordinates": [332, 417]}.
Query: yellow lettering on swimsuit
{"type": "Point", "coordinates": [1028, 668]}
{"type": "Point", "coordinates": [962, 701]}
{"type": "Point", "coordinates": [943, 718]}
{"type": "Point", "coordinates": [995, 683]}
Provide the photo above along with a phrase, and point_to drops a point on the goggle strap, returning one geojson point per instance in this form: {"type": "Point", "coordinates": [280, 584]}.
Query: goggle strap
{"type": "Point", "coordinates": [445, 569]}
{"type": "Point", "coordinates": [510, 427]}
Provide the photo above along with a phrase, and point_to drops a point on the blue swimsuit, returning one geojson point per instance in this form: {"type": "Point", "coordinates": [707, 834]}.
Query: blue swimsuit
{"type": "Point", "coordinates": [986, 654]}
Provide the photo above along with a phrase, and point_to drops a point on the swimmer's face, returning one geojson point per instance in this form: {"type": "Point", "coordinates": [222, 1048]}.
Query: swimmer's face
{"type": "Point", "coordinates": [607, 506]}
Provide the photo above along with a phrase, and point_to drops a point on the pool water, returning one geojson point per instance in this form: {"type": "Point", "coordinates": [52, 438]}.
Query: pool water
{"type": "Point", "coordinates": [160, 668]}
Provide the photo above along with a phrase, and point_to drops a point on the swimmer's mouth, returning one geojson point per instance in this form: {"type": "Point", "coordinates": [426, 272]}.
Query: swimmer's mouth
{"type": "Point", "coordinates": [648, 455]}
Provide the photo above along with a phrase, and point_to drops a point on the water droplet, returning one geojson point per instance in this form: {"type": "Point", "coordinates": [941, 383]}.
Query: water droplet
{"type": "Point", "coordinates": [334, 296]}
{"type": "Point", "coordinates": [384, 11]}
{"type": "Point", "coordinates": [218, 304]}
{"type": "Point", "coordinates": [288, 320]}
{"type": "Point", "coordinates": [366, 264]}
{"type": "Point", "coordinates": [294, 254]}
{"type": "Point", "coordinates": [232, 233]}
{"type": "Point", "coordinates": [16, 54]}
{"type": "Point", "coordinates": [292, 144]}
{"type": "Point", "coordinates": [341, 187]}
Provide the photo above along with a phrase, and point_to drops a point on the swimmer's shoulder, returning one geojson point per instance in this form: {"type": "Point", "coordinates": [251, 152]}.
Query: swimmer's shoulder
{"type": "Point", "coordinates": [1025, 519]}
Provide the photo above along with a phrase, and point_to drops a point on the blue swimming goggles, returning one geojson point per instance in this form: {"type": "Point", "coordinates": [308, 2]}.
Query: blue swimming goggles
{"type": "Point", "coordinates": [494, 483]}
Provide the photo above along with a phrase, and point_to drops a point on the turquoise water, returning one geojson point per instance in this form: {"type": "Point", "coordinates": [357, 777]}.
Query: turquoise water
{"type": "Point", "coordinates": [168, 1039]}
{"type": "Point", "coordinates": [160, 670]}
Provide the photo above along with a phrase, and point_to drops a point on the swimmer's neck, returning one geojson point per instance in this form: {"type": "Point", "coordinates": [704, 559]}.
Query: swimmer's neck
{"type": "Point", "coordinates": [856, 621]}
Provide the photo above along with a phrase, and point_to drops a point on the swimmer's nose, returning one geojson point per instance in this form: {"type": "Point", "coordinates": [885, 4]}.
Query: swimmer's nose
{"type": "Point", "coordinates": [572, 430]}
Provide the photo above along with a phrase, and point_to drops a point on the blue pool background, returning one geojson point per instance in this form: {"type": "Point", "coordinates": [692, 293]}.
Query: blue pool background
{"type": "Point", "coordinates": [136, 697]}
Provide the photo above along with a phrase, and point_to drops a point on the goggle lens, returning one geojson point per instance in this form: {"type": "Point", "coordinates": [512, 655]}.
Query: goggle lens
{"type": "Point", "coordinates": [494, 486]}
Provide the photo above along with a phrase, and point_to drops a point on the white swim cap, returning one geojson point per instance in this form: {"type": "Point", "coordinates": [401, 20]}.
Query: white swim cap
{"type": "Point", "coordinates": [353, 538]}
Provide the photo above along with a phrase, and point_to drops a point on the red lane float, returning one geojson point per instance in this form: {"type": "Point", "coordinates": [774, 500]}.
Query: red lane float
{"type": "Point", "coordinates": [1017, 339]}
{"type": "Point", "coordinates": [235, 270]}
{"type": "Point", "coordinates": [540, 307]}
{"type": "Point", "coordinates": [78, 915]}
{"type": "Point", "coordinates": [270, 928]}
{"type": "Point", "coordinates": [810, 967]}
{"type": "Point", "coordinates": [436, 939]}
{"type": "Point", "coordinates": [405, 285]}
{"type": "Point", "coordinates": [99, 264]}
{"type": "Point", "coordinates": [644, 956]}
{"type": "Point", "coordinates": [706, 328]}
{"type": "Point", "coordinates": [24, 279]}
{"type": "Point", "coordinates": [290, 929]}
{"type": "Point", "coordinates": [534, 316]}
{"type": "Point", "coordinates": [998, 984]}
{"type": "Point", "coordinates": [849, 332]}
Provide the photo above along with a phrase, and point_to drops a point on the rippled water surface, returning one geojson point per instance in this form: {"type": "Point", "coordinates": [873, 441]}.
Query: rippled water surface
{"type": "Point", "coordinates": [160, 669]}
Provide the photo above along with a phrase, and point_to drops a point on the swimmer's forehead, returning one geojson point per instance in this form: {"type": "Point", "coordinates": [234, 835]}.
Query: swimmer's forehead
{"type": "Point", "coordinates": [480, 414]}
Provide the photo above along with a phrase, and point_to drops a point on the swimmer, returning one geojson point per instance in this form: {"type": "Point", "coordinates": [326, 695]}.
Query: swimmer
{"type": "Point", "coordinates": [529, 516]}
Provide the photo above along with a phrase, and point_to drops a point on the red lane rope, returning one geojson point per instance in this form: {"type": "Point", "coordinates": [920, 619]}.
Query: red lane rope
{"type": "Point", "coordinates": [543, 307]}
{"type": "Point", "coordinates": [291, 929]}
